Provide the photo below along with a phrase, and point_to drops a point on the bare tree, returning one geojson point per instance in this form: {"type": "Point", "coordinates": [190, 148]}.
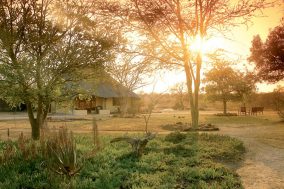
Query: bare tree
{"type": "Point", "coordinates": [132, 71]}
{"type": "Point", "coordinates": [171, 26]}
{"type": "Point", "coordinates": [179, 90]}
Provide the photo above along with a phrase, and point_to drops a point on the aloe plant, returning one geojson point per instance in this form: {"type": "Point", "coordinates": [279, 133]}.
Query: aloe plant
{"type": "Point", "coordinates": [62, 155]}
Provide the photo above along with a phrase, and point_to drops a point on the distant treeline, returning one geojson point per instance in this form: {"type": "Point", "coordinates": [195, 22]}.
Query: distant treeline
{"type": "Point", "coordinates": [173, 101]}
{"type": "Point", "coordinates": [165, 101]}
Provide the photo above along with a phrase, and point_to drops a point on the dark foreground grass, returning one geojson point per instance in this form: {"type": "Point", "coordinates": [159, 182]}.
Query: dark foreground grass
{"type": "Point", "coordinates": [174, 161]}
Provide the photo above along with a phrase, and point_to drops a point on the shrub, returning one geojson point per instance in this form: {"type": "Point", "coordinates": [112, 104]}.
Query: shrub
{"type": "Point", "coordinates": [190, 163]}
{"type": "Point", "coordinates": [61, 153]}
{"type": "Point", "coordinates": [8, 151]}
{"type": "Point", "coordinates": [138, 144]}
{"type": "Point", "coordinates": [28, 148]}
{"type": "Point", "coordinates": [221, 147]}
{"type": "Point", "coordinates": [175, 137]}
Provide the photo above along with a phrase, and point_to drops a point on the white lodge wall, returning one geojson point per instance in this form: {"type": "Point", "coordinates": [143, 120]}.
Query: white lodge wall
{"type": "Point", "coordinates": [90, 105]}
{"type": "Point", "coordinates": [107, 104]}
{"type": "Point", "coordinates": [110, 106]}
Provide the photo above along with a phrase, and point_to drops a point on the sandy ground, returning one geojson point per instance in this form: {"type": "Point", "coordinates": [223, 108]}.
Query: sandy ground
{"type": "Point", "coordinates": [263, 167]}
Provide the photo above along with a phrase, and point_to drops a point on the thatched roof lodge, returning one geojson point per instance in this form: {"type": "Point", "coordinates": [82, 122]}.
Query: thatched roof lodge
{"type": "Point", "coordinates": [104, 95]}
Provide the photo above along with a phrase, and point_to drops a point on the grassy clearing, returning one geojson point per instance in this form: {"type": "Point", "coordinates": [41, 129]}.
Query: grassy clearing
{"type": "Point", "coordinates": [173, 161]}
{"type": "Point", "coordinates": [272, 131]}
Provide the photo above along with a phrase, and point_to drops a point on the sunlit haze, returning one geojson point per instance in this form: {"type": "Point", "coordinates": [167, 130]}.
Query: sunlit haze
{"type": "Point", "coordinates": [237, 43]}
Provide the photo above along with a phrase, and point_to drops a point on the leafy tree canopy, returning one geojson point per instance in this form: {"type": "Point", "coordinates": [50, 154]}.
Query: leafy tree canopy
{"type": "Point", "coordinates": [268, 56]}
{"type": "Point", "coordinates": [224, 84]}
{"type": "Point", "coordinates": [43, 45]}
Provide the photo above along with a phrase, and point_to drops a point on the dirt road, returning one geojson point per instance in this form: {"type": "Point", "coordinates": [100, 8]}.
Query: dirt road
{"type": "Point", "coordinates": [263, 167]}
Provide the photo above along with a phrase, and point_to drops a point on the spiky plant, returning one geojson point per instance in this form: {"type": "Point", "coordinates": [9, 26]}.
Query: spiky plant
{"type": "Point", "coordinates": [61, 153]}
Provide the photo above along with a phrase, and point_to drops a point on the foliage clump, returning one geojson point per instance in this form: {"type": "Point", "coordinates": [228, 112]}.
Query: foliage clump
{"type": "Point", "coordinates": [175, 137]}
{"type": "Point", "coordinates": [44, 52]}
{"type": "Point", "coordinates": [268, 55]}
{"type": "Point", "coordinates": [194, 162]}
{"type": "Point", "coordinates": [224, 84]}
{"type": "Point", "coordinates": [8, 151]}
{"type": "Point", "coordinates": [138, 144]}
{"type": "Point", "coordinates": [279, 101]}
{"type": "Point", "coordinates": [221, 147]}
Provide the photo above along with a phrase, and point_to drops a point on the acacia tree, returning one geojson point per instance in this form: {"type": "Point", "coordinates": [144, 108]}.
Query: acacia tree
{"type": "Point", "coordinates": [225, 84]}
{"type": "Point", "coordinates": [268, 56]}
{"type": "Point", "coordinates": [42, 47]}
{"type": "Point", "coordinates": [172, 25]}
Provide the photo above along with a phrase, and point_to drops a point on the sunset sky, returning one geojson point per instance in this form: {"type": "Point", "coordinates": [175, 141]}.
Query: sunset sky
{"type": "Point", "coordinates": [238, 45]}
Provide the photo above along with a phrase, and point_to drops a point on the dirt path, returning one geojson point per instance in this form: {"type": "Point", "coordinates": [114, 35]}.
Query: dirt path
{"type": "Point", "coordinates": [263, 167]}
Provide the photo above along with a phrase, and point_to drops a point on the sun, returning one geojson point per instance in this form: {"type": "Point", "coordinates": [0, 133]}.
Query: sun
{"type": "Point", "coordinates": [199, 44]}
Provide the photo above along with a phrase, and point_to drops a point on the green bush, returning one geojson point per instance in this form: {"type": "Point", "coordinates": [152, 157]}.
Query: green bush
{"type": "Point", "coordinates": [221, 147]}
{"type": "Point", "coordinates": [175, 137]}
{"type": "Point", "coordinates": [189, 163]}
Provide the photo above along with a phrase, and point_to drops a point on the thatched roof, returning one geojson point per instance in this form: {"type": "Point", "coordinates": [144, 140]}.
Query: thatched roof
{"type": "Point", "coordinates": [105, 88]}
{"type": "Point", "coordinates": [108, 90]}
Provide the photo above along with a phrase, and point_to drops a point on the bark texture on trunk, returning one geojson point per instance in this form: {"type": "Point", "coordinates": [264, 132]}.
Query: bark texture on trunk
{"type": "Point", "coordinates": [33, 122]}
{"type": "Point", "coordinates": [37, 122]}
{"type": "Point", "coordinates": [193, 97]}
{"type": "Point", "coordinates": [192, 75]}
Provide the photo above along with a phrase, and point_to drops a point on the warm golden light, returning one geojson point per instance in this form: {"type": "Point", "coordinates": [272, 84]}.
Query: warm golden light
{"type": "Point", "coordinates": [204, 46]}
{"type": "Point", "coordinates": [197, 45]}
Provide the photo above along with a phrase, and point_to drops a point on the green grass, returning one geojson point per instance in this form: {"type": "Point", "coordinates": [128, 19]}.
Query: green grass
{"type": "Point", "coordinates": [173, 161]}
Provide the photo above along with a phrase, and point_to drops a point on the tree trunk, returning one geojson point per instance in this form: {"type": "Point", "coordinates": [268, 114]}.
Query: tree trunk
{"type": "Point", "coordinates": [225, 107]}
{"type": "Point", "coordinates": [192, 98]}
{"type": "Point", "coordinates": [192, 77]}
{"type": "Point", "coordinates": [33, 122]}
{"type": "Point", "coordinates": [38, 122]}
{"type": "Point", "coordinates": [193, 95]}
{"type": "Point", "coordinates": [195, 119]}
{"type": "Point", "coordinates": [44, 114]}
{"type": "Point", "coordinates": [39, 115]}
